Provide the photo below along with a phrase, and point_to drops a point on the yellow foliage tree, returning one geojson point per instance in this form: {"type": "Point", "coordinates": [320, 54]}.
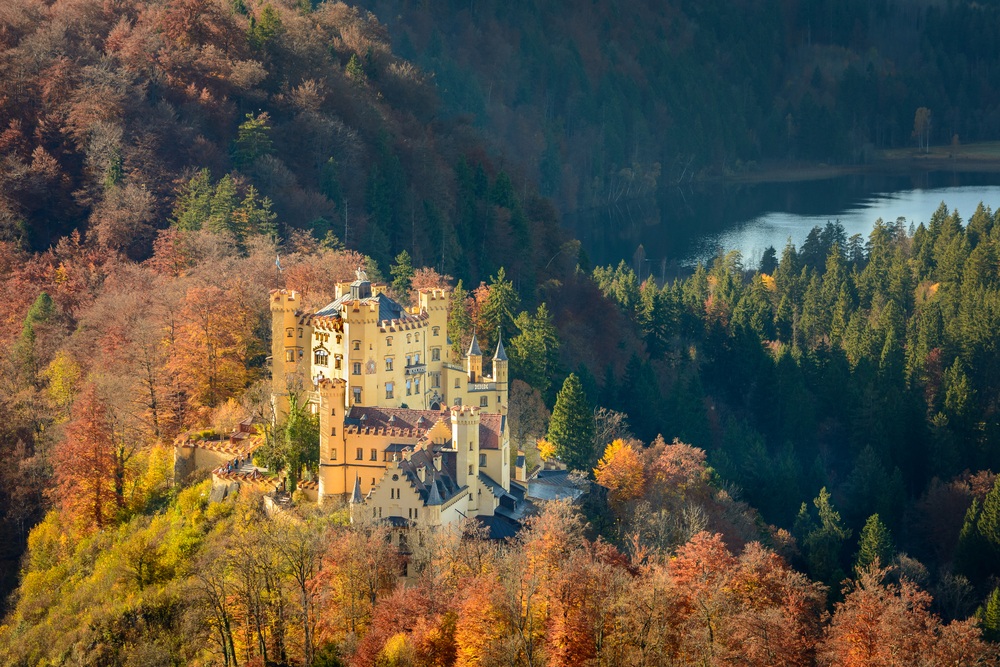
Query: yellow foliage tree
{"type": "Point", "coordinates": [546, 449]}
{"type": "Point", "coordinates": [621, 471]}
{"type": "Point", "coordinates": [64, 376]}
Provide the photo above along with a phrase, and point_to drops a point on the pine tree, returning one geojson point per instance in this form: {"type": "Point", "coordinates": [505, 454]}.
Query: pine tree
{"type": "Point", "coordinates": [265, 29]}
{"type": "Point", "coordinates": [571, 429]}
{"type": "Point", "coordinates": [224, 202]}
{"type": "Point", "coordinates": [498, 312]}
{"type": "Point", "coordinates": [970, 552]}
{"type": "Point", "coordinates": [989, 526]}
{"type": "Point", "coordinates": [355, 70]}
{"type": "Point", "coordinates": [989, 617]}
{"type": "Point", "coordinates": [253, 140]}
{"type": "Point", "coordinates": [459, 320]}
{"type": "Point", "coordinates": [194, 202]}
{"type": "Point", "coordinates": [534, 352]}
{"type": "Point", "coordinates": [875, 545]}
{"type": "Point", "coordinates": [402, 274]}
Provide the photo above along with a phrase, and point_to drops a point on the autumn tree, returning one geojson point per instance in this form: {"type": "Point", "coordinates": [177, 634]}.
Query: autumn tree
{"type": "Point", "coordinates": [622, 472]}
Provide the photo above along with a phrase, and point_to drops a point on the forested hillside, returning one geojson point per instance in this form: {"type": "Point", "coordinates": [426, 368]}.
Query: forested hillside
{"type": "Point", "coordinates": [107, 110]}
{"type": "Point", "coordinates": [582, 91]}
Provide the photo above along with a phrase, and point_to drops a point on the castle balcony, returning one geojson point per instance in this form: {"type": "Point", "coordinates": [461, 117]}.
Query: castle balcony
{"type": "Point", "coordinates": [445, 364]}
{"type": "Point", "coordinates": [416, 369]}
{"type": "Point", "coordinates": [482, 386]}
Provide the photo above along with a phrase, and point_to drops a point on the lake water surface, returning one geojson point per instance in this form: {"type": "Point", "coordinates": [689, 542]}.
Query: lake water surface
{"type": "Point", "coordinates": [687, 224]}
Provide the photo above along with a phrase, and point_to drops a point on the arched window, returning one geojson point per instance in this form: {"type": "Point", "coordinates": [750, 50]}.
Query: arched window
{"type": "Point", "coordinates": [291, 332]}
{"type": "Point", "coordinates": [408, 338]}
{"type": "Point", "coordinates": [435, 331]}
{"type": "Point", "coordinates": [357, 345]}
{"type": "Point", "coordinates": [321, 357]}
{"type": "Point", "coordinates": [388, 341]}
{"type": "Point", "coordinates": [416, 337]}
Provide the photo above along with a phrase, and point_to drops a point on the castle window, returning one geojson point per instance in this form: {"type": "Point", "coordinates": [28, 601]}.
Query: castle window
{"type": "Point", "coordinates": [301, 354]}
{"type": "Point", "coordinates": [436, 354]}
{"type": "Point", "coordinates": [374, 454]}
{"type": "Point", "coordinates": [333, 430]}
{"type": "Point", "coordinates": [408, 360]}
{"type": "Point", "coordinates": [416, 359]}
{"type": "Point", "coordinates": [435, 331]}
{"type": "Point", "coordinates": [357, 345]}
{"type": "Point", "coordinates": [458, 383]}
{"type": "Point", "coordinates": [436, 380]}
{"type": "Point", "coordinates": [388, 341]}
{"type": "Point", "coordinates": [470, 445]}
{"type": "Point", "coordinates": [357, 395]}
{"type": "Point", "coordinates": [322, 357]}
{"type": "Point", "coordinates": [458, 401]}
{"type": "Point", "coordinates": [484, 401]}
{"type": "Point", "coordinates": [402, 545]}
{"type": "Point", "coordinates": [416, 336]}
{"type": "Point", "coordinates": [482, 459]}
{"type": "Point", "coordinates": [290, 332]}
{"type": "Point", "coordinates": [470, 472]}
{"type": "Point", "coordinates": [388, 390]}
{"type": "Point", "coordinates": [333, 455]}
{"type": "Point", "coordinates": [357, 368]}
{"type": "Point", "coordinates": [408, 339]}
{"type": "Point", "coordinates": [290, 355]}
{"type": "Point", "coordinates": [333, 412]}
{"type": "Point", "coordinates": [409, 388]}
{"type": "Point", "coordinates": [361, 454]}
{"type": "Point", "coordinates": [416, 386]}
{"type": "Point", "coordinates": [388, 363]}
{"type": "Point", "coordinates": [300, 332]}
{"type": "Point", "coordinates": [336, 362]}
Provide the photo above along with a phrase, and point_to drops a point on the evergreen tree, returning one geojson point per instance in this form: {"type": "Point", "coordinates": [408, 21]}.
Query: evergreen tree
{"type": "Point", "coordinates": [193, 206]}
{"type": "Point", "coordinates": [989, 616]}
{"type": "Point", "coordinates": [355, 71]}
{"type": "Point", "coordinates": [823, 541]}
{"type": "Point", "coordinates": [224, 202]}
{"type": "Point", "coordinates": [253, 140]}
{"type": "Point", "coordinates": [114, 175]}
{"type": "Point", "coordinates": [875, 545]}
{"type": "Point", "coordinates": [266, 28]}
{"type": "Point", "coordinates": [497, 316]}
{"type": "Point", "coordinates": [588, 382]}
{"type": "Point", "coordinates": [769, 261]}
{"type": "Point", "coordinates": [571, 429]}
{"type": "Point", "coordinates": [402, 275]}
{"type": "Point", "coordinates": [459, 320]}
{"type": "Point", "coordinates": [970, 554]}
{"type": "Point", "coordinates": [989, 526]}
{"type": "Point", "coordinates": [535, 351]}
{"type": "Point", "coordinates": [607, 397]}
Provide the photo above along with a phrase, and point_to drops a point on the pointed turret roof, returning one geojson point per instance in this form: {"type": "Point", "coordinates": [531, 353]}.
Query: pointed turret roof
{"type": "Point", "coordinates": [474, 348]}
{"type": "Point", "coordinates": [500, 354]}
{"type": "Point", "coordinates": [433, 497]}
{"type": "Point", "coordinates": [356, 496]}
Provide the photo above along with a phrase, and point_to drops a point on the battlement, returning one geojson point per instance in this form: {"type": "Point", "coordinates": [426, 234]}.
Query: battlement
{"type": "Point", "coordinates": [284, 300]}
{"type": "Point", "coordinates": [380, 431]}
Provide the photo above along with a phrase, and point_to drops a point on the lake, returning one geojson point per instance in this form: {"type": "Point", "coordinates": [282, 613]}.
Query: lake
{"type": "Point", "coordinates": [687, 224]}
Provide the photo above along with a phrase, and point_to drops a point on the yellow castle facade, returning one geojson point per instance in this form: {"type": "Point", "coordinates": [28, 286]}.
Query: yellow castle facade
{"type": "Point", "coordinates": [405, 434]}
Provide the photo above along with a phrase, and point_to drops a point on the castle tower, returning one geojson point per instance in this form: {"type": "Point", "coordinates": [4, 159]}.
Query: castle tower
{"type": "Point", "coordinates": [357, 500]}
{"type": "Point", "coordinates": [500, 376]}
{"type": "Point", "coordinates": [287, 350]}
{"type": "Point", "coordinates": [474, 361]}
{"type": "Point", "coordinates": [465, 439]}
{"type": "Point", "coordinates": [332, 402]}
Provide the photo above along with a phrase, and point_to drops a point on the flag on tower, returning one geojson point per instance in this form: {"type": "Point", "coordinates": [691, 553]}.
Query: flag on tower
{"type": "Point", "coordinates": [277, 262]}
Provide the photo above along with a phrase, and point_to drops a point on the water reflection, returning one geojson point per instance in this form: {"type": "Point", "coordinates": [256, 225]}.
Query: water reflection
{"type": "Point", "coordinates": [685, 224]}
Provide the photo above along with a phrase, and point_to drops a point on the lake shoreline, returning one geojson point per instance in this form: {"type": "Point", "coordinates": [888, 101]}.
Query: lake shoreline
{"type": "Point", "coordinates": [979, 157]}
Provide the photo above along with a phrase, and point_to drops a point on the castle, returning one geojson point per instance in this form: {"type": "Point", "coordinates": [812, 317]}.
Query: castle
{"type": "Point", "coordinates": [405, 434]}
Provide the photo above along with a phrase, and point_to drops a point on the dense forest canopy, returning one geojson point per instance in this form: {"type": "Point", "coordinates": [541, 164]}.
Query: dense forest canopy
{"type": "Point", "coordinates": [670, 90]}
{"type": "Point", "coordinates": [796, 461]}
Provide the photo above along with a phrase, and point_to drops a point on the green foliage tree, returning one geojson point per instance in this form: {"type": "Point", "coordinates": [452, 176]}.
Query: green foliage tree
{"type": "Point", "coordinates": [571, 429]}
{"type": "Point", "coordinates": [534, 352]}
{"type": "Point", "coordinates": [253, 139]}
{"type": "Point", "coordinates": [355, 70]}
{"type": "Point", "coordinates": [875, 545]}
{"type": "Point", "coordinates": [459, 320]}
{"type": "Point", "coordinates": [824, 540]}
{"type": "Point", "coordinates": [264, 30]}
{"type": "Point", "coordinates": [402, 275]}
{"type": "Point", "coordinates": [497, 316]}
{"type": "Point", "coordinates": [193, 205]}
